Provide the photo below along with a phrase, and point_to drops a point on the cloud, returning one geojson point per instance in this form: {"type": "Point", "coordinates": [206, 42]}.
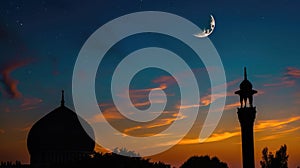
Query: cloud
{"type": "Point", "coordinates": [279, 127]}
{"type": "Point", "coordinates": [166, 121]}
{"type": "Point", "coordinates": [228, 84]}
{"type": "Point", "coordinates": [279, 134]}
{"type": "Point", "coordinates": [271, 137]}
{"type": "Point", "coordinates": [292, 72]}
{"type": "Point", "coordinates": [127, 130]}
{"type": "Point", "coordinates": [110, 113]}
{"type": "Point", "coordinates": [213, 138]}
{"type": "Point", "coordinates": [140, 97]}
{"type": "Point", "coordinates": [105, 104]}
{"type": "Point", "coordinates": [147, 103]}
{"type": "Point", "coordinates": [31, 101]}
{"type": "Point", "coordinates": [284, 81]}
{"type": "Point", "coordinates": [142, 104]}
{"type": "Point", "coordinates": [184, 75]}
{"type": "Point", "coordinates": [187, 106]}
{"type": "Point", "coordinates": [263, 125]}
{"type": "Point", "coordinates": [207, 100]}
{"type": "Point", "coordinates": [11, 84]}
{"type": "Point", "coordinates": [168, 80]}
{"type": "Point", "coordinates": [144, 93]}
{"type": "Point", "coordinates": [222, 136]}
{"type": "Point", "coordinates": [275, 124]}
{"type": "Point", "coordinates": [227, 106]}
{"type": "Point", "coordinates": [210, 98]}
{"type": "Point", "coordinates": [157, 123]}
{"type": "Point", "coordinates": [2, 131]}
{"type": "Point", "coordinates": [288, 79]}
{"type": "Point", "coordinates": [232, 106]}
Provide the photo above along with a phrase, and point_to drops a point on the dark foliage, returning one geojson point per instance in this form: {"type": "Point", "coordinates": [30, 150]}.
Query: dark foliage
{"type": "Point", "coordinates": [280, 160]}
{"type": "Point", "coordinates": [16, 164]}
{"type": "Point", "coordinates": [111, 160]}
{"type": "Point", "coordinates": [126, 152]}
{"type": "Point", "coordinates": [203, 162]}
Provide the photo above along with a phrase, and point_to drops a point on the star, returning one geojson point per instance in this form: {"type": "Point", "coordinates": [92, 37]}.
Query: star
{"type": "Point", "coordinates": [19, 22]}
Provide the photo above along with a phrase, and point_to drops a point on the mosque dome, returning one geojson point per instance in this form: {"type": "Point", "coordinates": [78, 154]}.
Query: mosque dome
{"type": "Point", "coordinates": [60, 131]}
{"type": "Point", "coordinates": [246, 84]}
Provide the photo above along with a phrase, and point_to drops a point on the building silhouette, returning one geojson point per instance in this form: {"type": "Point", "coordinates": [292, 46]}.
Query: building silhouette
{"type": "Point", "coordinates": [59, 138]}
{"type": "Point", "coordinates": [16, 164]}
{"type": "Point", "coordinates": [246, 117]}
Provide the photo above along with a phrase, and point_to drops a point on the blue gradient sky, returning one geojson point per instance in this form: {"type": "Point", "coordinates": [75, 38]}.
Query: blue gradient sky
{"type": "Point", "coordinates": [40, 41]}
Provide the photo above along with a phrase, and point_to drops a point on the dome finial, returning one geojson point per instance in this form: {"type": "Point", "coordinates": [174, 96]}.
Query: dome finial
{"type": "Point", "coordinates": [246, 91]}
{"type": "Point", "coordinates": [62, 98]}
{"type": "Point", "coordinates": [245, 73]}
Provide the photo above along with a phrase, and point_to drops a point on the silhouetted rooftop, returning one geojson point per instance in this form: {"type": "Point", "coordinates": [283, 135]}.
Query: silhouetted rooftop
{"type": "Point", "coordinates": [246, 84]}
{"type": "Point", "coordinates": [60, 130]}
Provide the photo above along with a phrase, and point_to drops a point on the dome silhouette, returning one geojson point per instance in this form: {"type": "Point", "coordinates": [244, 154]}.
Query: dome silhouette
{"type": "Point", "coordinates": [246, 84]}
{"type": "Point", "coordinates": [59, 137]}
{"type": "Point", "coordinates": [246, 92]}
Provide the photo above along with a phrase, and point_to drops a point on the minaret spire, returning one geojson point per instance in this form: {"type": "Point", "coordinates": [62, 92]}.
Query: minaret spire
{"type": "Point", "coordinates": [62, 102]}
{"type": "Point", "coordinates": [246, 117]}
{"type": "Point", "coordinates": [245, 73]}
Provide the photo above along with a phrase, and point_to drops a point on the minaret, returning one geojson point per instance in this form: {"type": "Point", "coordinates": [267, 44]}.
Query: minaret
{"type": "Point", "coordinates": [246, 117]}
{"type": "Point", "coordinates": [62, 102]}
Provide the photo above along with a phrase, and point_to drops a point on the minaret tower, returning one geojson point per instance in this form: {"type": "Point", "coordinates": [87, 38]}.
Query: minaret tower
{"type": "Point", "coordinates": [62, 102]}
{"type": "Point", "coordinates": [246, 117]}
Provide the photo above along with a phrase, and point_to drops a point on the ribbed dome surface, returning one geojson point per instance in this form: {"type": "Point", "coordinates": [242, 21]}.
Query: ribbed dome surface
{"type": "Point", "coordinates": [60, 130]}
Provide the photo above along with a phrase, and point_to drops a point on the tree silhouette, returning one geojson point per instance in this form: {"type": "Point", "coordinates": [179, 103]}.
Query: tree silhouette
{"type": "Point", "coordinates": [203, 162]}
{"type": "Point", "coordinates": [126, 152]}
{"type": "Point", "coordinates": [280, 160]}
{"type": "Point", "coordinates": [108, 160]}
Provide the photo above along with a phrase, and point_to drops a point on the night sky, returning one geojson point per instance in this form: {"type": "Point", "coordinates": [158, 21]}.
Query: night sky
{"type": "Point", "coordinates": [40, 42]}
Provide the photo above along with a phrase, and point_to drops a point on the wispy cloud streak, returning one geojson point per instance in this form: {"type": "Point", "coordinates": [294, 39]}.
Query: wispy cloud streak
{"type": "Point", "coordinates": [275, 124]}
{"type": "Point", "coordinates": [279, 127]}
{"type": "Point", "coordinates": [10, 84]}
{"type": "Point", "coordinates": [288, 79]}
{"type": "Point", "coordinates": [292, 72]}
{"type": "Point", "coordinates": [279, 134]}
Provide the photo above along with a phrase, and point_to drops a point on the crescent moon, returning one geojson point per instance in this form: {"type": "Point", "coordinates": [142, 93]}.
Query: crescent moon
{"type": "Point", "coordinates": [206, 32]}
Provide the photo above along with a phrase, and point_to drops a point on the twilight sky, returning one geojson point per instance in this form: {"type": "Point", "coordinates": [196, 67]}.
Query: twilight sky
{"type": "Point", "coordinates": [40, 42]}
